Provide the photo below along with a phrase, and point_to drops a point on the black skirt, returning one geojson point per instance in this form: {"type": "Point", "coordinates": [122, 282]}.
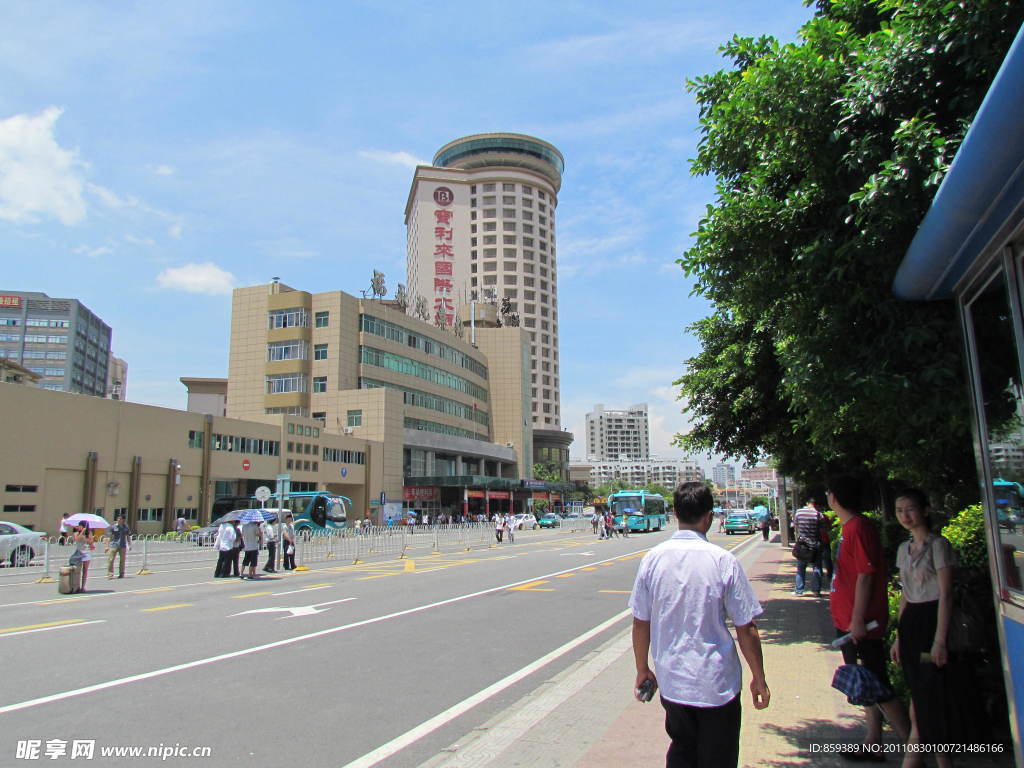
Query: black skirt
{"type": "Point", "coordinates": [941, 695]}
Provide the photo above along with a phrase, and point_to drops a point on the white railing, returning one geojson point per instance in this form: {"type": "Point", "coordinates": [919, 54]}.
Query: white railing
{"type": "Point", "coordinates": [163, 552]}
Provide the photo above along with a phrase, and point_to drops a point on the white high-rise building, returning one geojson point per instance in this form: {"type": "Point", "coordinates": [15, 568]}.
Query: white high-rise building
{"type": "Point", "coordinates": [723, 475]}
{"type": "Point", "coordinates": [618, 435]}
{"type": "Point", "coordinates": [480, 226]}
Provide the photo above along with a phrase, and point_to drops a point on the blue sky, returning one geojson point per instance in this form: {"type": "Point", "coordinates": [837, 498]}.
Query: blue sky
{"type": "Point", "coordinates": [153, 155]}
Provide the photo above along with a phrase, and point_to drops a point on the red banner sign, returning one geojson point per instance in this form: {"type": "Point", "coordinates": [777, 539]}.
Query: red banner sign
{"type": "Point", "coordinates": [420, 493]}
{"type": "Point", "coordinates": [474, 494]}
{"type": "Point", "coordinates": [499, 494]}
{"type": "Point", "coordinates": [540, 495]}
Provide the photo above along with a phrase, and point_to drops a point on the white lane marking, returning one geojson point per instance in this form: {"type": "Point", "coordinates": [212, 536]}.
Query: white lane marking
{"type": "Point", "coordinates": [47, 629]}
{"type": "Point", "coordinates": [306, 589]}
{"type": "Point", "coordinates": [494, 741]}
{"type": "Point", "coordinates": [298, 610]}
{"type": "Point", "coordinates": [423, 729]}
{"type": "Point", "coordinates": [30, 703]}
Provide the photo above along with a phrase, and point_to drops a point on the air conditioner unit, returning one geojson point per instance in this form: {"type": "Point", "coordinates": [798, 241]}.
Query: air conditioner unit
{"type": "Point", "coordinates": [347, 430]}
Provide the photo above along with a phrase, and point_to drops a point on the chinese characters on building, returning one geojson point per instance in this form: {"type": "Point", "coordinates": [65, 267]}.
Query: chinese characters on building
{"type": "Point", "coordinates": [444, 256]}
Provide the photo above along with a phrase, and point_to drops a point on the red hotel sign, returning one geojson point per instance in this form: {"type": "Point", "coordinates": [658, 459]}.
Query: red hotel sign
{"type": "Point", "coordinates": [444, 255]}
{"type": "Point", "coordinates": [12, 302]}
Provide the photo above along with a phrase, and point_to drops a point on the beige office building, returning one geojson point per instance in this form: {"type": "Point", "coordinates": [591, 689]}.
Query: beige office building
{"type": "Point", "coordinates": [366, 369]}
{"type": "Point", "coordinates": [481, 227]}
{"type": "Point", "coordinates": [75, 453]}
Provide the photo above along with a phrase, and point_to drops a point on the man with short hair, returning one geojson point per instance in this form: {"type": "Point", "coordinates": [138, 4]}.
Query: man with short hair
{"type": "Point", "coordinates": [684, 590]}
{"type": "Point", "coordinates": [270, 537]}
{"type": "Point", "coordinates": [807, 524]}
{"type": "Point", "coordinates": [251, 545]}
{"type": "Point", "coordinates": [858, 598]}
{"type": "Point", "coordinates": [117, 548]}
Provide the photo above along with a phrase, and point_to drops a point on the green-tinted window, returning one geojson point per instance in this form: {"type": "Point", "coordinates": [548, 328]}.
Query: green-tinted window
{"type": "Point", "coordinates": [355, 419]}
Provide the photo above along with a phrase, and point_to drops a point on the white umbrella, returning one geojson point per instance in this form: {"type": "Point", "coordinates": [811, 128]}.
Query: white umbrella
{"type": "Point", "coordinates": [94, 521]}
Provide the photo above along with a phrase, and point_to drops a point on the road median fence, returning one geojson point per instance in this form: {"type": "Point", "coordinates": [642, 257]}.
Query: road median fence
{"type": "Point", "coordinates": [154, 553]}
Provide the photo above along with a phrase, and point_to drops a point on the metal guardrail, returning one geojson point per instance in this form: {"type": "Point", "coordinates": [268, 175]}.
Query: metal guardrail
{"type": "Point", "coordinates": [162, 552]}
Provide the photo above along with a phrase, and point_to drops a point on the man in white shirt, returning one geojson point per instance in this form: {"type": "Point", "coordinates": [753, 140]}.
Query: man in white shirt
{"type": "Point", "coordinates": [225, 544]}
{"type": "Point", "coordinates": [270, 538]}
{"type": "Point", "coordinates": [684, 590]}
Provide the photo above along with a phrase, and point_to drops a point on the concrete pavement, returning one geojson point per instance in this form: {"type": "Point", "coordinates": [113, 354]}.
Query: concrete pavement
{"type": "Point", "coordinates": [585, 717]}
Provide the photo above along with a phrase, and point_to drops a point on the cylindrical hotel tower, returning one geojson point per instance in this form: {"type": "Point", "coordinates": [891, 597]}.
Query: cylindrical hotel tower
{"type": "Point", "coordinates": [481, 224]}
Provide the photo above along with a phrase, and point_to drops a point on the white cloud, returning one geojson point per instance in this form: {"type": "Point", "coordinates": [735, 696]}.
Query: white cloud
{"type": "Point", "coordinates": [643, 40]}
{"type": "Point", "coordinates": [139, 240]}
{"type": "Point", "coordinates": [93, 253]}
{"type": "Point", "coordinates": [37, 177]}
{"type": "Point", "coordinates": [400, 158]}
{"type": "Point", "coordinates": [175, 231]}
{"type": "Point", "coordinates": [165, 170]}
{"type": "Point", "coordinates": [197, 278]}
{"type": "Point", "coordinates": [109, 198]}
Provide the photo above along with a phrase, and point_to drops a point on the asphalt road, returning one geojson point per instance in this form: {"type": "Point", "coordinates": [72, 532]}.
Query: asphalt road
{"type": "Point", "coordinates": [382, 662]}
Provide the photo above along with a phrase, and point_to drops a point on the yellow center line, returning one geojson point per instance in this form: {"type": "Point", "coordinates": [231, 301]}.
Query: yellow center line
{"type": "Point", "coordinates": [531, 586]}
{"type": "Point", "coordinates": [41, 626]}
{"type": "Point", "coordinates": [249, 594]}
{"type": "Point", "coordinates": [154, 589]}
{"type": "Point", "coordinates": [63, 600]}
{"type": "Point", "coordinates": [607, 564]}
{"type": "Point", "coordinates": [168, 607]}
{"type": "Point", "coordinates": [565, 575]}
{"type": "Point", "coordinates": [311, 586]}
{"type": "Point", "coordinates": [589, 568]}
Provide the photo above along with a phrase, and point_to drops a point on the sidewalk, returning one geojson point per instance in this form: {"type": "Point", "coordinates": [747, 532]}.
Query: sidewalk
{"type": "Point", "coordinates": [586, 716]}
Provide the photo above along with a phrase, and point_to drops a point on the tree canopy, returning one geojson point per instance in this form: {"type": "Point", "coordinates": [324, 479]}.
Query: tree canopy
{"type": "Point", "coordinates": [827, 153]}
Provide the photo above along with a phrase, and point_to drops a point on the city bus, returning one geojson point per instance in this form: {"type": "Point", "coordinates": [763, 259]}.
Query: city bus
{"type": "Point", "coordinates": [313, 512]}
{"type": "Point", "coordinates": [638, 510]}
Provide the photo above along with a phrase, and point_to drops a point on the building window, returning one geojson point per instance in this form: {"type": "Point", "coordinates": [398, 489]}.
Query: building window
{"type": "Point", "coordinates": [296, 317]}
{"type": "Point", "coordinates": [154, 514]}
{"type": "Point", "coordinates": [286, 350]}
{"type": "Point", "coordinates": [508, 213]}
{"type": "Point", "coordinates": [506, 187]}
{"type": "Point", "coordinates": [195, 439]}
{"type": "Point", "coordinates": [319, 383]}
{"type": "Point", "coordinates": [21, 488]}
{"type": "Point", "coordinates": [288, 382]}
{"type": "Point", "coordinates": [319, 351]}
{"type": "Point", "coordinates": [354, 418]}
{"type": "Point", "coordinates": [322, 319]}
{"type": "Point", "coordinates": [19, 507]}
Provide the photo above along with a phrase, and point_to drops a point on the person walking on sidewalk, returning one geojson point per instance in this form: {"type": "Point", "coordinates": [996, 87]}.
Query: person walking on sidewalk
{"type": "Point", "coordinates": [807, 523]}
{"type": "Point", "coordinates": [858, 598]}
{"type": "Point", "coordinates": [684, 590]}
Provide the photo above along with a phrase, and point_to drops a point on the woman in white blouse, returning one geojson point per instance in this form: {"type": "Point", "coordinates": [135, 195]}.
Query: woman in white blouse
{"type": "Point", "coordinates": [926, 564]}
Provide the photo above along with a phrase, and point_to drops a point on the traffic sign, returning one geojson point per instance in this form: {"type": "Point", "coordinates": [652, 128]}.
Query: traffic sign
{"type": "Point", "coordinates": [246, 464]}
{"type": "Point", "coordinates": [262, 493]}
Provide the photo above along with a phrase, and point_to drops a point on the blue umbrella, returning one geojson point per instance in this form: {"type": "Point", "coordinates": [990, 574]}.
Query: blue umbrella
{"type": "Point", "coordinates": [257, 516]}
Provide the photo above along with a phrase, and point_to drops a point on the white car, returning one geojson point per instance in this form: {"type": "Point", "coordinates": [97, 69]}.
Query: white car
{"type": "Point", "coordinates": [18, 544]}
{"type": "Point", "coordinates": [522, 522]}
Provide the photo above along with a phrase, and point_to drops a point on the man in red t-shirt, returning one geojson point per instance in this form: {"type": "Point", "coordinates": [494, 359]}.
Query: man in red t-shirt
{"type": "Point", "coordinates": [858, 598]}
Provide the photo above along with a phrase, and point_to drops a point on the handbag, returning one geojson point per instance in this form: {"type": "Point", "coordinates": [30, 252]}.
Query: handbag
{"type": "Point", "coordinates": [805, 551]}
{"type": "Point", "coordinates": [289, 550]}
{"type": "Point", "coordinates": [966, 633]}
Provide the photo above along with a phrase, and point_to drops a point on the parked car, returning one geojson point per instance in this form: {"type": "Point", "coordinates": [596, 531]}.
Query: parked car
{"type": "Point", "coordinates": [522, 522]}
{"type": "Point", "coordinates": [550, 520]}
{"type": "Point", "coordinates": [18, 544]}
{"type": "Point", "coordinates": [740, 522]}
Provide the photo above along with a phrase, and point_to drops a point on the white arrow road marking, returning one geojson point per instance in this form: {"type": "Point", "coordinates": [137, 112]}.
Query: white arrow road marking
{"type": "Point", "coordinates": [298, 610]}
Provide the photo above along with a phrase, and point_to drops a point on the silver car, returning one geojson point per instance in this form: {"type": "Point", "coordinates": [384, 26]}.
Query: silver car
{"type": "Point", "coordinates": [18, 544]}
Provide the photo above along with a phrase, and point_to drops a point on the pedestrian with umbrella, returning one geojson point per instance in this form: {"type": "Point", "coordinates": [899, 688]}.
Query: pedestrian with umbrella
{"type": "Point", "coordinates": [84, 544]}
{"type": "Point", "coordinates": [250, 520]}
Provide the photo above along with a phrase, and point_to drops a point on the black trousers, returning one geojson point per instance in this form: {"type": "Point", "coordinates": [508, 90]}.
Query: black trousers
{"type": "Point", "coordinates": [236, 553]}
{"type": "Point", "coordinates": [271, 556]}
{"type": "Point", "coordinates": [289, 560]}
{"type": "Point", "coordinates": [702, 737]}
{"type": "Point", "coordinates": [224, 559]}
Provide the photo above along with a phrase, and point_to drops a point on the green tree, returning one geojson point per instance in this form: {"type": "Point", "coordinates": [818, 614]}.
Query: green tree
{"type": "Point", "coordinates": [827, 153]}
{"type": "Point", "coordinates": [546, 471]}
{"type": "Point", "coordinates": [762, 501]}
